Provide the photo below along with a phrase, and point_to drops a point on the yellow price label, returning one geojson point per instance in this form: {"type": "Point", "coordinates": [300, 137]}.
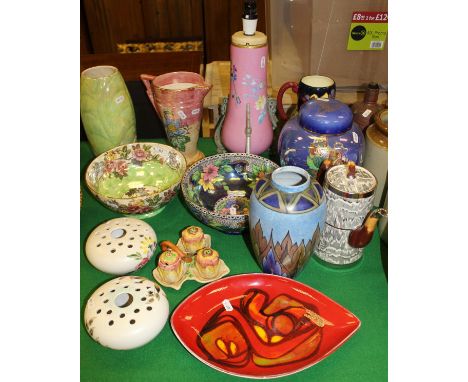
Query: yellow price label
{"type": "Point", "coordinates": [368, 31]}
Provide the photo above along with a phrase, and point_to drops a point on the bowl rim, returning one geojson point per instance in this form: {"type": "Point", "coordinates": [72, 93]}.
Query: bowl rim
{"type": "Point", "coordinates": [167, 147]}
{"type": "Point", "coordinates": [204, 210]}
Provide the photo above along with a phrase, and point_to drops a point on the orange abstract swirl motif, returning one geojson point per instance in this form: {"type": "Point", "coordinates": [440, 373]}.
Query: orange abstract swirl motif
{"type": "Point", "coordinates": [268, 333]}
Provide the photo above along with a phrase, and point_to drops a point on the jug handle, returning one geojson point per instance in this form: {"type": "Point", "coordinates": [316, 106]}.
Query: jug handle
{"type": "Point", "coordinates": [279, 98]}
{"type": "Point", "coordinates": [147, 78]}
{"type": "Point", "coordinates": [361, 236]}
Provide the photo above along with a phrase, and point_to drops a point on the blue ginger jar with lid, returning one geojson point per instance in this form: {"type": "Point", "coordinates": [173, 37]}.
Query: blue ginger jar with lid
{"type": "Point", "coordinates": [324, 129]}
{"type": "Point", "coordinates": [287, 214]}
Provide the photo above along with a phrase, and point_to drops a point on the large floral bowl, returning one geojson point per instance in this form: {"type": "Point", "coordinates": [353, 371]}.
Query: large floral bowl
{"type": "Point", "coordinates": [217, 189]}
{"type": "Point", "coordinates": [137, 179]}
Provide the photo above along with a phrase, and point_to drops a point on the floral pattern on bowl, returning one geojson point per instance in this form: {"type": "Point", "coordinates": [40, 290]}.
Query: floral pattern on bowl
{"type": "Point", "coordinates": [221, 179]}
{"type": "Point", "coordinates": [136, 179]}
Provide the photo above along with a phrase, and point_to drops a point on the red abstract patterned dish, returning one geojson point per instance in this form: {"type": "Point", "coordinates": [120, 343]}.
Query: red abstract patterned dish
{"type": "Point", "coordinates": [261, 325]}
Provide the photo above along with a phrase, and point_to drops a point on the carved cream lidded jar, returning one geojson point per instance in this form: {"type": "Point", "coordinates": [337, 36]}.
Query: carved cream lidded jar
{"type": "Point", "coordinates": [126, 312]}
{"type": "Point", "coordinates": [349, 191]}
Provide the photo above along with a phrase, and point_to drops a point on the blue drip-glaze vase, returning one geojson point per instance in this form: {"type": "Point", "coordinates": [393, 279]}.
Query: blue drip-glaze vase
{"type": "Point", "coordinates": [324, 129]}
{"type": "Point", "coordinates": [287, 214]}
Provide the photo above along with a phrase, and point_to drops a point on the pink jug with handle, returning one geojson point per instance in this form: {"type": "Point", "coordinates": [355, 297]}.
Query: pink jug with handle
{"type": "Point", "coordinates": [178, 99]}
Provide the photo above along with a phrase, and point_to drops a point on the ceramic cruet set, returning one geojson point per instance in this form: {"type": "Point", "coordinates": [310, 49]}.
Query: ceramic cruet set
{"type": "Point", "coordinates": [323, 202]}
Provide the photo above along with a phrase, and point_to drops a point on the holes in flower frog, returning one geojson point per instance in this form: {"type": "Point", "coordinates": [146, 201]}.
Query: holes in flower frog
{"type": "Point", "coordinates": [123, 300]}
{"type": "Point", "coordinates": [120, 244]}
{"type": "Point", "coordinates": [118, 233]}
{"type": "Point", "coordinates": [149, 308]}
{"type": "Point", "coordinates": [98, 311]}
{"type": "Point", "coordinates": [132, 238]}
{"type": "Point", "coordinates": [130, 246]}
{"type": "Point", "coordinates": [109, 243]}
{"type": "Point", "coordinates": [136, 310]}
{"type": "Point", "coordinates": [132, 322]}
{"type": "Point", "coordinates": [111, 323]}
{"type": "Point", "coordinates": [112, 250]}
{"type": "Point", "coordinates": [122, 315]}
{"type": "Point", "coordinates": [99, 244]}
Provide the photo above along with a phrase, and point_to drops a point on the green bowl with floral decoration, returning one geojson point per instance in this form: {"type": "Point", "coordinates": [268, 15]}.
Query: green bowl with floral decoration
{"type": "Point", "coordinates": [217, 188]}
{"type": "Point", "coordinates": [136, 179]}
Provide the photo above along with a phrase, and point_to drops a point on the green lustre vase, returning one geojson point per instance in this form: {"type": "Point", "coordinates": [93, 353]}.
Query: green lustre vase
{"type": "Point", "coordinates": [106, 109]}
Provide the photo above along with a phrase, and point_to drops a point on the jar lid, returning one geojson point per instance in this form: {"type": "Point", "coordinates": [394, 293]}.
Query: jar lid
{"type": "Point", "coordinates": [325, 116]}
{"type": "Point", "coordinates": [350, 181]}
{"type": "Point", "coordinates": [126, 312]}
{"type": "Point", "coordinates": [256, 40]}
{"type": "Point", "coordinates": [121, 245]}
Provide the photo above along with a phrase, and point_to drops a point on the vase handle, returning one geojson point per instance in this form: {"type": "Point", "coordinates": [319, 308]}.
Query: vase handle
{"type": "Point", "coordinates": [279, 97]}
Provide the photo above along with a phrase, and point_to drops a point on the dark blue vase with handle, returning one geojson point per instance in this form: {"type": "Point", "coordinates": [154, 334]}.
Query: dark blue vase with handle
{"type": "Point", "coordinates": [324, 129]}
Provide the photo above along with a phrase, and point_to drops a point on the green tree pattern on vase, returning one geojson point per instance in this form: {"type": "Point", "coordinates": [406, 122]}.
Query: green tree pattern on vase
{"type": "Point", "coordinates": [106, 109]}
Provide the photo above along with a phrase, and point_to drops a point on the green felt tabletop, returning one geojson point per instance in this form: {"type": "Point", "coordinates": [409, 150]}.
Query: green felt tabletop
{"type": "Point", "coordinates": [362, 290]}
